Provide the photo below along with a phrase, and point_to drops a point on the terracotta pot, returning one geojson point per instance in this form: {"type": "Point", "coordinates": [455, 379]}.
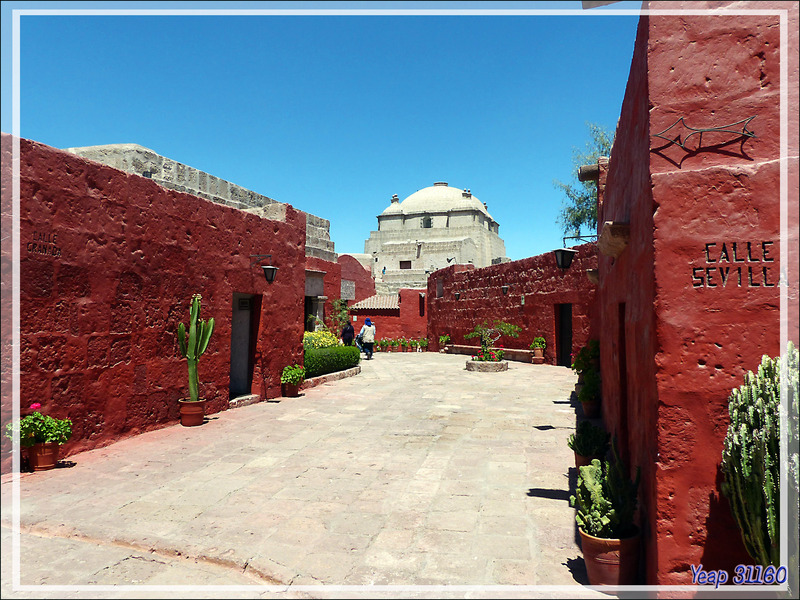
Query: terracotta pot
{"type": "Point", "coordinates": [610, 561]}
{"type": "Point", "coordinates": [538, 352]}
{"type": "Point", "coordinates": [582, 461]}
{"type": "Point", "coordinates": [44, 456]}
{"type": "Point", "coordinates": [192, 413]}
{"type": "Point", "coordinates": [290, 390]}
{"type": "Point", "coordinates": [591, 409]}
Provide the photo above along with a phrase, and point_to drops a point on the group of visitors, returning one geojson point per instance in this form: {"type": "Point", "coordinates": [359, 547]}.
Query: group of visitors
{"type": "Point", "coordinates": [365, 340]}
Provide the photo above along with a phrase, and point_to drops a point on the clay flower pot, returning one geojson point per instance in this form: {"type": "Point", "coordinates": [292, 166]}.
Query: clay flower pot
{"type": "Point", "coordinates": [591, 409]}
{"type": "Point", "coordinates": [43, 456]}
{"type": "Point", "coordinates": [610, 561]}
{"type": "Point", "coordinates": [290, 390]}
{"type": "Point", "coordinates": [192, 413]}
{"type": "Point", "coordinates": [538, 352]}
{"type": "Point", "coordinates": [582, 461]}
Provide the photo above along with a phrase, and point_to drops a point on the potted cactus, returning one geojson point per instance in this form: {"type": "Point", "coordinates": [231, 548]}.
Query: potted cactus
{"type": "Point", "coordinates": [606, 500]}
{"type": "Point", "coordinates": [192, 347]}
{"type": "Point", "coordinates": [588, 442]}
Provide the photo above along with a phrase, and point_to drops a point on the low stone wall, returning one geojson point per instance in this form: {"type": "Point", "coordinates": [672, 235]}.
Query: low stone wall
{"type": "Point", "coordinates": [328, 377]}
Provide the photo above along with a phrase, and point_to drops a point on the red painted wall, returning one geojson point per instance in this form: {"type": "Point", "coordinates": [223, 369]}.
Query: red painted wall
{"type": "Point", "coordinates": [397, 323]}
{"type": "Point", "coordinates": [332, 281]}
{"type": "Point", "coordinates": [673, 343]}
{"type": "Point", "coordinates": [538, 279]}
{"type": "Point", "coordinates": [109, 262]}
{"type": "Point", "coordinates": [352, 270]}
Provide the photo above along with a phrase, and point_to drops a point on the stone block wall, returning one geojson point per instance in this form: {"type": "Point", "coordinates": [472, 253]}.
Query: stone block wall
{"type": "Point", "coordinates": [109, 262]}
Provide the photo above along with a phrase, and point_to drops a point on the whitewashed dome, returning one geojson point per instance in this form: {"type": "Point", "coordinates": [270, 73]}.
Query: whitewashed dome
{"type": "Point", "coordinates": [437, 198]}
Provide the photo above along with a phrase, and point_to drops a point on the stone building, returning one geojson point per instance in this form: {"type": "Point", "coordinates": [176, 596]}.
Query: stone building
{"type": "Point", "coordinates": [432, 228]}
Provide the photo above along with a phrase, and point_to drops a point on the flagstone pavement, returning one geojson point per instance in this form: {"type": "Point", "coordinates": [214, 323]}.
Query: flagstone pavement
{"type": "Point", "coordinates": [414, 478]}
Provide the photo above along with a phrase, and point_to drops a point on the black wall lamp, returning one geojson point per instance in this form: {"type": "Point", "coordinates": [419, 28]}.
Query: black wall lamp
{"type": "Point", "coordinates": [269, 270]}
{"type": "Point", "coordinates": [505, 290]}
{"type": "Point", "coordinates": [457, 295]}
{"type": "Point", "coordinates": [564, 257]}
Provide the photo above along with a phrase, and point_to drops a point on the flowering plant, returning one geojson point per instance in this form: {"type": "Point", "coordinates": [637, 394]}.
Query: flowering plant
{"type": "Point", "coordinates": [37, 428]}
{"type": "Point", "coordinates": [489, 355]}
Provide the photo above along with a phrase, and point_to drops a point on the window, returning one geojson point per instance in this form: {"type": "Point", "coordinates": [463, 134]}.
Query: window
{"type": "Point", "coordinates": [405, 264]}
{"type": "Point", "coordinates": [439, 288]}
{"type": "Point", "coordinates": [427, 222]}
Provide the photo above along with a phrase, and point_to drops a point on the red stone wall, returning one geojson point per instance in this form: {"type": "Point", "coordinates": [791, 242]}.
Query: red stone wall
{"type": "Point", "coordinates": [332, 281]}
{"type": "Point", "coordinates": [692, 303]}
{"type": "Point", "coordinates": [538, 279]}
{"type": "Point", "coordinates": [352, 270]}
{"type": "Point", "coordinates": [109, 262]}
{"type": "Point", "coordinates": [397, 323]}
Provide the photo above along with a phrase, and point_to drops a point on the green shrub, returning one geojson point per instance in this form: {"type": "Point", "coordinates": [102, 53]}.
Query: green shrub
{"type": "Point", "coordinates": [587, 358]}
{"type": "Point", "coordinates": [320, 361]}
{"type": "Point", "coordinates": [538, 342]}
{"type": "Point", "coordinates": [589, 440]}
{"type": "Point", "coordinates": [444, 339]}
{"type": "Point", "coordinates": [319, 339]}
{"type": "Point", "coordinates": [592, 386]}
{"type": "Point", "coordinates": [750, 456]}
{"type": "Point", "coordinates": [37, 428]}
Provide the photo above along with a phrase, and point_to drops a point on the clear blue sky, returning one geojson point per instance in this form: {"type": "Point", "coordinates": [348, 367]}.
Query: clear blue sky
{"type": "Point", "coordinates": [334, 114]}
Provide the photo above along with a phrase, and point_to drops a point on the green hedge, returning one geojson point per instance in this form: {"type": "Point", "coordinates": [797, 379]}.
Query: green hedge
{"type": "Point", "coordinates": [319, 361]}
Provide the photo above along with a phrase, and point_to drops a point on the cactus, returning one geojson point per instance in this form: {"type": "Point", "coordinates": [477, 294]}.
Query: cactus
{"type": "Point", "coordinates": [750, 456]}
{"type": "Point", "coordinates": [606, 498]}
{"type": "Point", "coordinates": [193, 348]}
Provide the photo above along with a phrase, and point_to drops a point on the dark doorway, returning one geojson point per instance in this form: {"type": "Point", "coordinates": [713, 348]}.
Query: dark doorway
{"type": "Point", "coordinates": [564, 335]}
{"type": "Point", "coordinates": [244, 328]}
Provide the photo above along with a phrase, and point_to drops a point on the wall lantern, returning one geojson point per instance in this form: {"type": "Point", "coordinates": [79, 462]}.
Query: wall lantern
{"type": "Point", "coordinates": [505, 290]}
{"type": "Point", "coordinates": [564, 257]}
{"type": "Point", "coordinates": [457, 295]}
{"type": "Point", "coordinates": [269, 270]}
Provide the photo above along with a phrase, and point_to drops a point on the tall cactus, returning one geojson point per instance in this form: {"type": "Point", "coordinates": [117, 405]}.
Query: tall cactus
{"type": "Point", "coordinates": [193, 348]}
{"type": "Point", "coordinates": [750, 457]}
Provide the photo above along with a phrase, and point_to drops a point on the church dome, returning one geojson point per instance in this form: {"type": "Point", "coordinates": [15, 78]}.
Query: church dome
{"type": "Point", "coordinates": [437, 198]}
{"type": "Point", "coordinates": [393, 208]}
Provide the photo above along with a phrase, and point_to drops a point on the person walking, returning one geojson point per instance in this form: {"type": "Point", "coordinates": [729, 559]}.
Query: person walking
{"type": "Point", "coordinates": [367, 334]}
{"type": "Point", "coordinates": [347, 334]}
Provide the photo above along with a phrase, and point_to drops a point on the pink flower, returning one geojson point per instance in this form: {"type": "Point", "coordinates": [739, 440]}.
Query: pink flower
{"type": "Point", "coordinates": [36, 406]}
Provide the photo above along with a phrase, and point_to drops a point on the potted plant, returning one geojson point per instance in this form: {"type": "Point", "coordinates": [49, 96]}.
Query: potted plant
{"type": "Point", "coordinates": [192, 347]}
{"type": "Point", "coordinates": [403, 344]}
{"type": "Point", "coordinates": [588, 442]}
{"type": "Point", "coordinates": [443, 341]}
{"type": "Point", "coordinates": [588, 357]}
{"type": "Point", "coordinates": [589, 394]}
{"type": "Point", "coordinates": [538, 345]}
{"type": "Point", "coordinates": [488, 335]}
{"type": "Point", "coordinates": [394, 345]}
{"type": "Point", "coordinates": [291, 379]}
{"type": "Point", "coordinates": [606, 500]}
{"type": "Point", "coordinates": [423, 344]}
{"type": "Point", "coordinates": [41, 435]}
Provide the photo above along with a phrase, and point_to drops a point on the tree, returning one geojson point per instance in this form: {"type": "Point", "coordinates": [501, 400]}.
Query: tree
{"type": "Point", "coordinates": [579, 209]}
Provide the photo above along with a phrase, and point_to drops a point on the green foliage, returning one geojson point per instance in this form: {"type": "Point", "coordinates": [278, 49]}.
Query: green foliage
{"type": "Point", "coordinates": [589, 440]}
{"type": "Point", "coordinates": [193, 346]}
{"type": "Point", "coordinates": [444, 339]}
{"type": "Point", "coordinates": [37, 428]}
{"type": "Point", "coordinates": [750, 456]}
{"type": "Point", "coordinates": [319, 361]}
{"type": "Point", "coordinates": [579, 209]}
{"type": "Point", "coordinates": [423, 343]}
{"type": "Point", "coordinates": [489, 355]}
{"type": "Point", "coordinates": [319, 339]}
{"type": "Point", "coordinates": [383, 343]}
{"type": "Point", "coordinates": [592, 386]}
{"type": "Point", "coordinates": [587, 357]}
{"type": "Point", "coordinates": [538, 342]}
{"type": "Point", "coordinates": [606, 498]}
{"type": "Point", "coordinates": [339, 316]}
{"type": "Point", "coordinates": [293, 374]}
{"type": "Point", "coordinates": [489, 334]}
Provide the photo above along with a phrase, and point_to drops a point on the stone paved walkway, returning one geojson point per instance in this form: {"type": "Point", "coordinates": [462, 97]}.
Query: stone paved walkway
{"type": "Point", "coordinates": [415, 472]}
